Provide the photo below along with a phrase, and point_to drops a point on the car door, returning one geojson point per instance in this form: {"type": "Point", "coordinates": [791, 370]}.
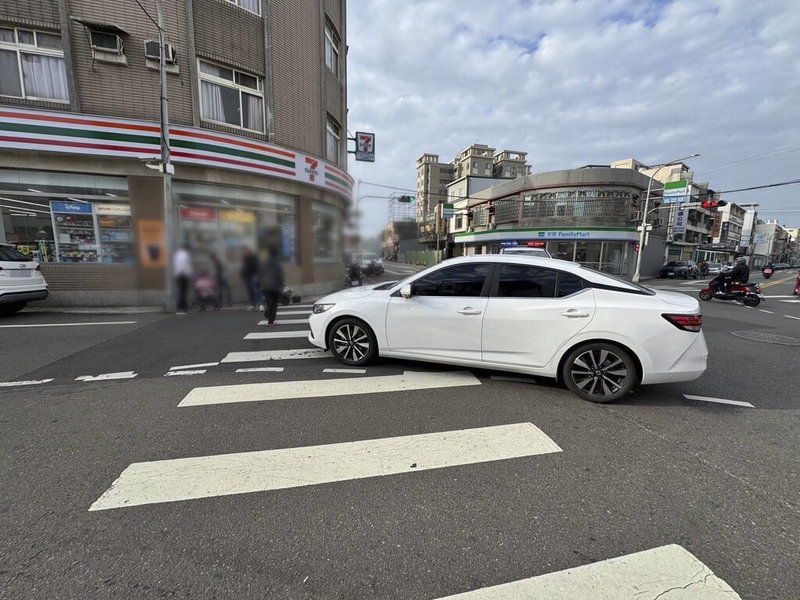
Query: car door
{"type": "Point", "coordinates": [532, 312]}
{"type": "Point", "coordinates": [443, 316]}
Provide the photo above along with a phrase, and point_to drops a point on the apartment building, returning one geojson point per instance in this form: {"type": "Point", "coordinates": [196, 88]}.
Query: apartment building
{"type": "Point", "coordinates": [258, 119]}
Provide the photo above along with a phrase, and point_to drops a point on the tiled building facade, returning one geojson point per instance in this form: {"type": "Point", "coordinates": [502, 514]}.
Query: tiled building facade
{"type": "Point", "coordinates": [258, 122]}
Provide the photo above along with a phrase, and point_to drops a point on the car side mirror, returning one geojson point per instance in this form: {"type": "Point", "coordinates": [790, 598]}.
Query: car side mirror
{"type": "Point", "coordinates": [405, 291]}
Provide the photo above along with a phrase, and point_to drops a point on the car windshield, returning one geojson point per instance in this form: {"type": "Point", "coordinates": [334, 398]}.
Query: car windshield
{"type": "Point", "coordinates": [9, 254]}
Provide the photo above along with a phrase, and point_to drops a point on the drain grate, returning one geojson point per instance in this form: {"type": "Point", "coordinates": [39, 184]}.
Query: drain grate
{"type": "Point", "coordinates": [769, 338]}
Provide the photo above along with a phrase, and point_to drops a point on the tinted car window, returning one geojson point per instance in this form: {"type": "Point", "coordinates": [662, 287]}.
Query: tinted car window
{"type": "Point", "coordinates": [522, 281]}
{"type": "Point", "coordinates": [568, 284]}
{"type": "Point", "coordinates": [460, 280]}
{"type": "Point", "coordinates": [7, 253]}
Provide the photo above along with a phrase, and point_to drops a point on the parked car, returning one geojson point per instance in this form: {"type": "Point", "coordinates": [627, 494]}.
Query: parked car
{"type": "Point", "coordinates": [596, 333]}
{"type": "Point", "coordinates": [525, 251]}
{"type": "Point", "coordinates": [714, 268]}
{"type": "Point", "coordinates": [679, 268]}
{"type": "Point", "coordinates": [21, 281]}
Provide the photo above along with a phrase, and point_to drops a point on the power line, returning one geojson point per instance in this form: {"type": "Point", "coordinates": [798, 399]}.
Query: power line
{"type": "Point", "coordinates": [753, 158]}
{"type": "Point", "coordinates": [761, 187]}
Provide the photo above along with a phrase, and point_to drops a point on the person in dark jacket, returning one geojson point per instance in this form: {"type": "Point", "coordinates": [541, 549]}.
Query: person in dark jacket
{"type": "Point", "coordinates": [271, 281]}
{"type": "Point", "coordinates": [740, 273]}
{"type": "Point", "coordinates": [249, 274]}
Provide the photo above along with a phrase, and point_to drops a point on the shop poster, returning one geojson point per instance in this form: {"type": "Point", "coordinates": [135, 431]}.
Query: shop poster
{"type": "Point", "coordinates": [152, 244]}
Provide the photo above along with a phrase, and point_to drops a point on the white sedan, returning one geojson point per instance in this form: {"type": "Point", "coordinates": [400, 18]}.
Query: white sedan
{"type": "Point", "coordinates": [597, 334]}
{"type": "Point", "coordinates": [21, 281]}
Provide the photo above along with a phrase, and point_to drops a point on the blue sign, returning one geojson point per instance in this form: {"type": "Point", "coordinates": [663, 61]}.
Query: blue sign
{"type": "Point", "coordinates": [71, 208]}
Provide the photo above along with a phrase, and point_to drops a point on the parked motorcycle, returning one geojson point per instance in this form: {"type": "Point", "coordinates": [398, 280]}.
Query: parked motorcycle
{"type": "Point", "coordinates": [750, 294]}
{"type": "Point", "coordinates": [767, 271]}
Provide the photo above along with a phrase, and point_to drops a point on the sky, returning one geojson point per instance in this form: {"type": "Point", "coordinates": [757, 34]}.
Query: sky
{"type": "Point", "coordinates": [576, 82]}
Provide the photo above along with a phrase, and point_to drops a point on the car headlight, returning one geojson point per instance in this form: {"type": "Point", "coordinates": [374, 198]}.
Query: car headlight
{"type": "Point", "coordinates": [321, 308]}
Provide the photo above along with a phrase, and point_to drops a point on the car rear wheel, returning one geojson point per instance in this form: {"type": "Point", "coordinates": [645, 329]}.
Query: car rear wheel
{"type": "Point", "coordinates": [599, 372]}
{"type": "Point", "coordinates": [6, 310]}
{"type": "Point", "coordinates": [352, 342]}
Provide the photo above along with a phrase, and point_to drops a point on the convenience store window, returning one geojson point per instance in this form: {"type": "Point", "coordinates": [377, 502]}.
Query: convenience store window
{"type": "Point", "coordinates": [327, 231]}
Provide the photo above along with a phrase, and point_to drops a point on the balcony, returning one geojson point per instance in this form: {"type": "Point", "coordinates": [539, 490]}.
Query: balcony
{"type": "Point", "coordinates": [563, 211]}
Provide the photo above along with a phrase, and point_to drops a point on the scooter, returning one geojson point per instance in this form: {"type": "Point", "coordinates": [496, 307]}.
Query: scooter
{"type": "Point", "coordinates": [750, 294]}
{"type": "Point", "coordinates": [767, 272]}
{"type": "Point", "coordinates": [797, 287]}
{"type": "Point", "coordinates": [353, 276]}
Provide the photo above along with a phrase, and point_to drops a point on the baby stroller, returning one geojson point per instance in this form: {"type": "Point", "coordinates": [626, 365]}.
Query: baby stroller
{"type": "Point", "coordinates": [205, 292]}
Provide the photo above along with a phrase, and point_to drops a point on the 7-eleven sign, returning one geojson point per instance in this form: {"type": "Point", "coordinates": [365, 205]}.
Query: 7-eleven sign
{"type": "Point", "coordinates": [365, 146]}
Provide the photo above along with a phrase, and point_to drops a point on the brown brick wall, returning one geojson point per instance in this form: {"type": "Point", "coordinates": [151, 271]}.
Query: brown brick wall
{"type": "Point", "coordinates": [229, 35]}
{"type": "Point", "coordinates": [34, 13]}
{"type": "Point", "coordinates": [131, 91]}
{"type": "Point", "coordinates": [333, 96]}
{"type": "Point", "coordinates": [296, 63]}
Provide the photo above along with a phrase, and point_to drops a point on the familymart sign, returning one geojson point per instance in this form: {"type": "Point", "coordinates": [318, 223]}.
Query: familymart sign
{"type": "Point", "coordinates": [676, 192]}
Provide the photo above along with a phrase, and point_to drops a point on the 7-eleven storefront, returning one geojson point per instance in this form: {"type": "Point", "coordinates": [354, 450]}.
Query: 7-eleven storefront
{"type": "Point", "coordinates": [75, 193]}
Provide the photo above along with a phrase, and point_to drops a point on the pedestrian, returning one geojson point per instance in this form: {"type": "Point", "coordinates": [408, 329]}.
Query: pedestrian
{"type": "Point", "coordinates": [249, 274]}
{"type": "Point", "coordinates": [182, 268]}
{"type": "Point", "coordinates": [272, 283]}
{"type": "Point", "coordinates": [222, 281]}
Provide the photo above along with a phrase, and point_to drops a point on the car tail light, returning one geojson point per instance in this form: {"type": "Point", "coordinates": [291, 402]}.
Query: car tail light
{"type": "Point", "coordinates": [685, 322]}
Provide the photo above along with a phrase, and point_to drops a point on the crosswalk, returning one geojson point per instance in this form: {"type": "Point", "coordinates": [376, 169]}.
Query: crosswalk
{"type": "Point", "coordinates": [171, 479]}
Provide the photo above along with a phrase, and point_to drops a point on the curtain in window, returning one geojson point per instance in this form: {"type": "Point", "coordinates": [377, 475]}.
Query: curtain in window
{"type": "Point", "coordinates": [220, 103]}
{"type": "Point", "coordinates": [252, 112]}
{"type": "Point", "coordinates": [44, 76]}
{"type": "Point", "coordinates": [251, 5]}
{"type": "Point", "coordinates": [9, 74]}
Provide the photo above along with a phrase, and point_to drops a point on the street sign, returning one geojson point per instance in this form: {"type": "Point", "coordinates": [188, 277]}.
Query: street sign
{"type": "Point", "coordinates": [365, 146]}
{"type": "Point", "coordinates": [675, 192]}
{"type": "Point", "coordinates": [679, 222]}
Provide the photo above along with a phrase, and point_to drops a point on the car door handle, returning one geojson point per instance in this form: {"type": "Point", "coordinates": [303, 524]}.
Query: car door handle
{"type": "Point", "coordinates": [574, 314]}
{"type": "Point", "coordinates": [468, 310]}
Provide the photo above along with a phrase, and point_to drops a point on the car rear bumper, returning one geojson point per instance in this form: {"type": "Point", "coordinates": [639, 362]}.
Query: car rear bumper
{"type": "Point", "coordinates": [26, 296]}
{"type": "Point", "coordinates": [689, 366]}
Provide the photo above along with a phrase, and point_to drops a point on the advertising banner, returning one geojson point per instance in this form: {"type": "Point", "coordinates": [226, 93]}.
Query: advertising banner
{"type": "Point", "coordinates": [152, 244]}
{"type": "Point", "coordinates": [679, 222]}
{"type": "Point", "coordinates": [675, 192]}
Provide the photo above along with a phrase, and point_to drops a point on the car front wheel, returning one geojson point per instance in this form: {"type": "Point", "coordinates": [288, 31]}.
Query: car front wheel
{"type": "Point", "coordinates": [352, 342]}
{"type": "Point", "coordinates": [599, 372]}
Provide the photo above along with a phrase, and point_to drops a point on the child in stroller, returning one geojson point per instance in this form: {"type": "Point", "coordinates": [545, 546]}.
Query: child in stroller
{"type": "Point", "coordinates": [205, 291]}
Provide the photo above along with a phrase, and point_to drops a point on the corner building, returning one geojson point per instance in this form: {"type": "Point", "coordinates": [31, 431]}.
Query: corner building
{"type": "Point", "coordinates": [258, 122]}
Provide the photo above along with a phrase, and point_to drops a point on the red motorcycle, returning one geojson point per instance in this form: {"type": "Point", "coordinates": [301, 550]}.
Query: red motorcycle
{"type": "Point", "coordinates": [750, 294]}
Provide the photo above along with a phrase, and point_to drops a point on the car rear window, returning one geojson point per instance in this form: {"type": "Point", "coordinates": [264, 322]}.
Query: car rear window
{"type": "Point", "coordinates": [10, 254]}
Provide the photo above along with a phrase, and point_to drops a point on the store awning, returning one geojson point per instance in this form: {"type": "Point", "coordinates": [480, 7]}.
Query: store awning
{"type": "Point", "coordinates": [103, 27]}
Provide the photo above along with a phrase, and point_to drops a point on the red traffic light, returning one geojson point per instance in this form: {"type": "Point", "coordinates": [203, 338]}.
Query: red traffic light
{"type": "Point", "coordinates": [714, 203]}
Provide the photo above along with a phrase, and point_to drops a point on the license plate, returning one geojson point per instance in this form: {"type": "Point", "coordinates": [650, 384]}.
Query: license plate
{"type": "Point", "coordinates": [20, 273]}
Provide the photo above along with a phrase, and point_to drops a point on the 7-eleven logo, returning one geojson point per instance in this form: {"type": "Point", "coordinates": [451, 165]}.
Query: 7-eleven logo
{"type": "Point", "coordinates": [311, 168]}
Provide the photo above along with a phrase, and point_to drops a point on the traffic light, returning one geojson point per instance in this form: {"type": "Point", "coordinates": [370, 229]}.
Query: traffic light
{"type": "Point", "coordinates": [714, 204]}
{"type": "Point", "coordinates": [406, 199]}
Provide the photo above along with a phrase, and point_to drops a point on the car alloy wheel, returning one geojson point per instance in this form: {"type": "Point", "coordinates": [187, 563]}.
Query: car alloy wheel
{"type": "Point", "coordinates": [599, 372]}
{"type": "Point", "coordinates": [352, 342]}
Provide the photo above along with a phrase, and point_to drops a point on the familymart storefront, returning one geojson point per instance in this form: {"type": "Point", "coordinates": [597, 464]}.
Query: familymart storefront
{"type": "Point", "coordinates": [611, 250]}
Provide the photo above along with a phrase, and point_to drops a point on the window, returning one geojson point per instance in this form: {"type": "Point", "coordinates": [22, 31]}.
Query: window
{"type": "Point", "coordinates": [568, 284]}
{"type": "Point", "coordinates": [231, 97]}
{"type": "Point", "coordinates": [331, 49]}
{"type": "Point", "coordinates": [521, 281]}
{"type": "Point", "coordinates": [32, 65]}
{"type": "Point", "coordinates": [254, 6]}
{"type": "Point", "coordinates": [106, 42]}
{"type": "Point", "coordinates": [326, 225]}
{"type": "Point", "coordinates": [461, 280]}
{"type": "Point", "coordinates": [332, 137]}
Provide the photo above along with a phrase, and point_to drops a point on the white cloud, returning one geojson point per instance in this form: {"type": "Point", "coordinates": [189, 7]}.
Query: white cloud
{"type": "Point", "coordinates": [574, 82]}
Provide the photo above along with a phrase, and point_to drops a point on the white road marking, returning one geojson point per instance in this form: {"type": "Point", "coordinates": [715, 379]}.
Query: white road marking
{"type": "Point", "coordinates": [648, 574]}
{"type": "Point", "coordinates": [321, 388]}
{"type": "Point", "coordinates": [68, 324]}
{"type": "Point", "coordinates": [792, 296]}
{"type": "Point", "coordinates": [293, 313]}
{"type": "Point", "coordinates": [260, 471]}
{"type": "Point", "coordinates": [274, 335]}
{"type": "Point", "coordinates": [286, 322]}
{"type": "Point", "coordinates": [769, 312]}
{"type": "Point", "coordinates": [197, 366]}
{"type": "Point", "coordinates": [344, 370]}
{"type": "Point", "coordinates": [261, 355]}
{"type": "Point", "coordinates": [261, 370]}
{"type": "Point", "coordinates": [107, 376]}
{"type": "Point", "coordinates": [791, 317]}
{"type": "Point", "coordinates": [293, 306]}
{"type": "Point", "coordinates": [795, 301]}
{"type": "Point", "coordinates": [32, 382]}
{"type": "Point", "coordinates": [718, 400]}
{"type": "Point", "coordinates": [190, 372]}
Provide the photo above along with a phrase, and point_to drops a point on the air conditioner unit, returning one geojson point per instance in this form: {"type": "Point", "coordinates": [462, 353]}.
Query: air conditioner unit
{"type": "Point", "coordinates": [636, 215]}
{"type": "Point", "coordinates": [152, 51]}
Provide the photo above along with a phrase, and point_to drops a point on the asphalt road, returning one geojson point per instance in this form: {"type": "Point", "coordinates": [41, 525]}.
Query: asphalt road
{"type": "Point", "coordinates": [721, 481]}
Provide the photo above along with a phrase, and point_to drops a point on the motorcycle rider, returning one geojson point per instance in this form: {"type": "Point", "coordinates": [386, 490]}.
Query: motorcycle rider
{"type": "Point", "coordinates": [739, 274]}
